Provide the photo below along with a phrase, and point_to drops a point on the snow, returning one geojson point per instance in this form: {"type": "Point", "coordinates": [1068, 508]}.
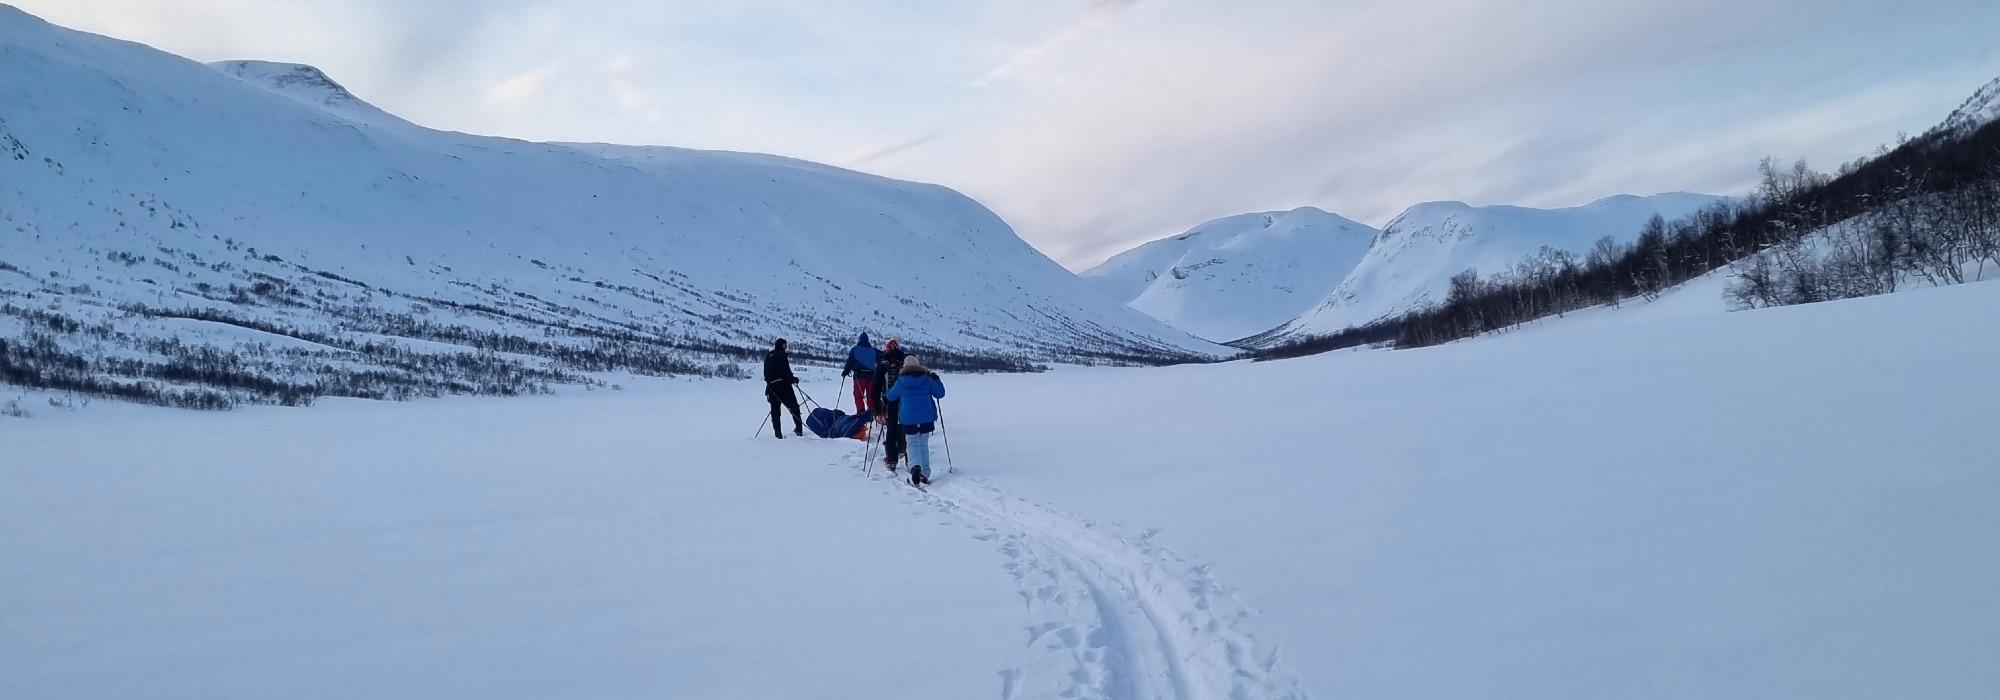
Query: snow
{"type": "Point", "coordinates": [1653, 500]}
{"type": "Point", "coordinates": [1790, 502]}
{"type": "Point", "coordinates": [594, 545]}
{"type": "Point", "coordinates": [1237, 275]}
{"type": "Point", "coordinates": [1778, 503]}
{"type": "Point", "coordinates": [1415, 256]}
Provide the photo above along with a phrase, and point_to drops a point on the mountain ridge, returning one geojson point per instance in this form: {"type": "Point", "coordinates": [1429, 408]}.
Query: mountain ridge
{"type": "Point", "coordinates": [1236, 275]}
{"type": "Point", "coordinates": [1416, 254]}
{"type": "Point", "coordinates": [258, 195]}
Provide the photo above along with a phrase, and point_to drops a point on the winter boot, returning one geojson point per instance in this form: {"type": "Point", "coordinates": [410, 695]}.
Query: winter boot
{"type": "Point", "coordinates": [799, 431]}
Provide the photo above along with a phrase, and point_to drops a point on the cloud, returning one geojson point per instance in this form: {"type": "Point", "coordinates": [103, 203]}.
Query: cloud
{"type": "Point", "coordinates": [519, 88]}
{"type": "Point", "coordinates": [1093, 125]}
{"type": "Point", "coordinates": [1021, 61]}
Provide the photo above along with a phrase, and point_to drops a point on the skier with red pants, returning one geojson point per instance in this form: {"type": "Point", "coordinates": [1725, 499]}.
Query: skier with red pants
{"type": "Point", "coordinates": [861, 365]}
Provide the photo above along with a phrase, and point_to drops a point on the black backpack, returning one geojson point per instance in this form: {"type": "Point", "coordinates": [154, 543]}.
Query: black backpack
{"type": "Point", "coordinates": [888, 369]}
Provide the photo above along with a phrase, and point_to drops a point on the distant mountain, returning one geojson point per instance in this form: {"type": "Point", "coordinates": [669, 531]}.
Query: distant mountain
{"type": "Point", "coordinates": [1415, 256]}
{"type": "Point", "coordinates": [300, 235]}
{"type": "Point", "coordinates": [1237, 275]}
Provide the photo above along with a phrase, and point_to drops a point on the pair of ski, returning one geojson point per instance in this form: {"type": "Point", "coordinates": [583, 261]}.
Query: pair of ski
{"type": "Point", "coordinates": [903, 475]}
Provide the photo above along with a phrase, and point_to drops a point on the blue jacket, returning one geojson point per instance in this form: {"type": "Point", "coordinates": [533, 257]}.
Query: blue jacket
{"type": "Point", "coordinates": [913, 394]}
{"type": "Point", "coordinates": [861, 360]}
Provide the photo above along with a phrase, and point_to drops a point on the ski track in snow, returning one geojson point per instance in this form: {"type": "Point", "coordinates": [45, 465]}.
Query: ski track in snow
{"type": "Point", "coordinates": [1111, 614]}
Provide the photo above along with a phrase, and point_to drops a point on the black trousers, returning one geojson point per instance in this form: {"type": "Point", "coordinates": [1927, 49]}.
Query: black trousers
{"type": "Point", "coordinates": [782, 395]}
{"type": "Point", "coordinates": [893, 442]}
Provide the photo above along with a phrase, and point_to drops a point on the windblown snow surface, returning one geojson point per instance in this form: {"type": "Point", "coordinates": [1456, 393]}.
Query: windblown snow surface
{"type": "Point", "coordinates": [1792, 502]}
{"type": "Point", "coordinates": [1412, 261]}
{"type": "Point", "coordinates": [139, 190]}
{"type": "Point", "coordinates": [1237, 275]}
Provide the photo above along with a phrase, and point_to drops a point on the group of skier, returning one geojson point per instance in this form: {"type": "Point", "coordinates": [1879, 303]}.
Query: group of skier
{"type": "Point", "coordinates": [889, 383]}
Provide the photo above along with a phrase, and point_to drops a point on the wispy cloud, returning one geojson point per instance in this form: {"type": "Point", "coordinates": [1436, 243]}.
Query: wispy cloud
{"type": "Point", "coordinates": [1020, 61]}
{"type": "Point", "coordinates": [1091, 125]}
{"type": "Point", "coordinates": [882, 152]}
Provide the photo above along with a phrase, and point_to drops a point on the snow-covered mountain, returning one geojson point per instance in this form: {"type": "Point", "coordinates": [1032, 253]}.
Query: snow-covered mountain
{"type": "Point", "coordinates": [1237, 275]}
{"type": "Point", "coordinates": [1414, 257]}
{"type": "Point", "coordinates": [1982, 108]}
{"type": "Point", "coordinates": [262, 209]}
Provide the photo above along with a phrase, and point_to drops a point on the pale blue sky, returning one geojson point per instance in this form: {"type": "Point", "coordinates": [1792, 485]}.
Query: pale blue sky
{"type": "Point", "coordinates": [1095, 125]}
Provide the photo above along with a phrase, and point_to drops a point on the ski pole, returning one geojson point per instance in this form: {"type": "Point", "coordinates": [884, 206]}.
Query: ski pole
{"type": "Point", "coordinates": [946, 434]}
{"type": "Point", "coordinates": [868, 455]}
{"type": "Point", "coordinates": [760, 427]}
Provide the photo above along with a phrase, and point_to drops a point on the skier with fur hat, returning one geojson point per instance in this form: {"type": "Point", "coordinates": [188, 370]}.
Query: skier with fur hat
{"type": "Point", "coordinates": [916, 393]}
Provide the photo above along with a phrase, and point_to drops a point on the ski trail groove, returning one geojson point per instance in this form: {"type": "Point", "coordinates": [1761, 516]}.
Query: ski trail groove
{"type": "Point", "coordinates": [1111, 614]}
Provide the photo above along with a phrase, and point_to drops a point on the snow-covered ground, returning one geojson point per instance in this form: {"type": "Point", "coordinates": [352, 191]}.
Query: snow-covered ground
{"type": "Point", "coordinates": [602, 544]}
{"type": "Point", "coordinates": [1792, 502]}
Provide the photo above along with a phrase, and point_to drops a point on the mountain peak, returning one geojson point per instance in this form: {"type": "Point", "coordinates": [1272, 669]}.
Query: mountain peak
{"type": "Point", "coordinates": [1982, 108]}
{"type": "Point", "coordinates": [307, 84]}
{"type": "Point", "coordinates": [297, 79]}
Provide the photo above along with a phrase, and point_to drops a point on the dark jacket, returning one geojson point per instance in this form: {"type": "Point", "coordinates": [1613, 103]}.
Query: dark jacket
{"type": "Point", "coordinates": [886, 369]}
{"type": "Point", "coordinates": [778, 366]}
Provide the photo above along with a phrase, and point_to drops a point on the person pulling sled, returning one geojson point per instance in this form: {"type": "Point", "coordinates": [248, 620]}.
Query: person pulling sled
{"type": "Point", "coordinates": [915, 393]}
{"type": "Point", "coordinates": [778, 383]}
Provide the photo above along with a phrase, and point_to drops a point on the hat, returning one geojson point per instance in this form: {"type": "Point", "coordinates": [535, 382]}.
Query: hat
{"type": "Point", "coordinates": [912, 366]}
{"type": "Point", "coordinates": [893, 344]}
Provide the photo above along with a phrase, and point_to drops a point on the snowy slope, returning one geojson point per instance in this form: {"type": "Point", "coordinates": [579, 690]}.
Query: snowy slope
{"type": "Point", "coordinates": [309, 86]}
{"type": "Point", "coordinates": [1701, 505]}
{"type": "Point", "coordinates": [1237, 275]}
{"type": "Point", "coordinates": [134, 177]}
{"type": "Point", "coordinates": [1413, 259]}
{"type": "Point", "coordinates": [1982, 108]}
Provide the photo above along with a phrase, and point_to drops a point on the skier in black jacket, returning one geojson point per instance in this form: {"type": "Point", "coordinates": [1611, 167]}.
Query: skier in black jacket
{"type": "Point", "coordinates": [778, 381]}
{"type": "Point", "coordinates": [887, 368]}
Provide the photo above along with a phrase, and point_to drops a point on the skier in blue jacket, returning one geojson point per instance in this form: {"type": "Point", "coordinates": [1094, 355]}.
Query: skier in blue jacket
{"type": "Point", "coordinates": [915, 396]}
{"type": "Point", "coordinates": [861, 364]}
